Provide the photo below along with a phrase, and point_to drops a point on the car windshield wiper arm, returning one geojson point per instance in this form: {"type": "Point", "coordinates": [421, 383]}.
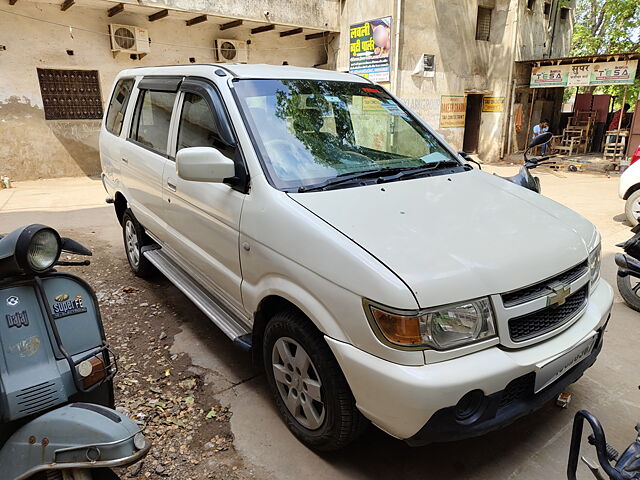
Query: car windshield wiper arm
{"type": "Point", "coordinates": [383, 174]}
{"type": "Point", "coordinates": [349, 177]}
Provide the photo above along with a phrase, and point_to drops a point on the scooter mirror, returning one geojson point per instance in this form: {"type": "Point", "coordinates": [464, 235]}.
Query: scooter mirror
{"type": "Point", "coordinates": [71, 246]}
{"type": "Point", "coordinates": [540, 139]}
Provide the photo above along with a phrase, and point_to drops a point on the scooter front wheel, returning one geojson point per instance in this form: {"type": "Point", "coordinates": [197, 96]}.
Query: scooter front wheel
{"type": "Point", "coordinates": [629, 288]}
{"type": "Point", "coordinates": [77, 474]}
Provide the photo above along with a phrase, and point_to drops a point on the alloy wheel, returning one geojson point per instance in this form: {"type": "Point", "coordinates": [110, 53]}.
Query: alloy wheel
{"type": "Point", "coordinates": [131, 239]}
{"type": "Point", "coordinates": [298, 383]}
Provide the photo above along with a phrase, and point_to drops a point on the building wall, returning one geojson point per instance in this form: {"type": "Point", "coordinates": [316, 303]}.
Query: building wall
{"type": "Point", "coordinates": [321, 14]}
{"type": "Point", "coordinates": [464, 65]}
{"type": "Point", "coordinates": [33, 147]}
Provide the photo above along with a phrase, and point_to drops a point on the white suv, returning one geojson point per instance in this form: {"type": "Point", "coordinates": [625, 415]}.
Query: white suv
{"type": "Point", "coordinates": [373, 272]}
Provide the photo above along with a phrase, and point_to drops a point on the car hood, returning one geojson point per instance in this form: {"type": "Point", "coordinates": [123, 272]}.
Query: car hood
{"type": "Point", "coordinates": [460, 236]}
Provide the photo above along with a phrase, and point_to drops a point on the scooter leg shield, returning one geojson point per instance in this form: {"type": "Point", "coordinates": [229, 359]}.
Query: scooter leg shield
{"type": "Point", "coordinates": [79, 435]}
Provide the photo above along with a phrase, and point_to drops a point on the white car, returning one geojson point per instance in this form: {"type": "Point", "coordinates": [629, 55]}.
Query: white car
{"type": "Point", "coordinates": [375, 275]}
{"type": "Point", "coordinates": [629, 189]}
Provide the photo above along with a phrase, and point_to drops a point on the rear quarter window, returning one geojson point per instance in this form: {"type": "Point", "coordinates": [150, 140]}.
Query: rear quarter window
{"type": "Point", "coordinates": [118, 105]}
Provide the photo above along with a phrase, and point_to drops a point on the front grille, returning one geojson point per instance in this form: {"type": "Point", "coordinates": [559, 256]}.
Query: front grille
{"type": "Point", "coordinates": [547, 319]}
{"type": "Point", "coordinates": [518, 389]}
{"type": "Point", "coordinates": [543, 288]}
{"type": "Point", "coordinates": [37, 398]}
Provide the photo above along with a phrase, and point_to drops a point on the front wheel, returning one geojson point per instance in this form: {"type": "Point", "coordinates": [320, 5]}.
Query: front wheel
{"type": "Point", "coordinates": [77, 474]}
{"type": "Point", "coordinates": [629, 288]}
{"type": "Point", "coordinates": [309, 389]}
{"type": "Point", "coordinates": [632, 208]}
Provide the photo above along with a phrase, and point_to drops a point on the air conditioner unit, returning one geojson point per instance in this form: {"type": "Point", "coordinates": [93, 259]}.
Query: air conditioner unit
{"type": "Point", "coordinates": [231, 51]}
{"type": "Point", "coordinates": [129, 39]}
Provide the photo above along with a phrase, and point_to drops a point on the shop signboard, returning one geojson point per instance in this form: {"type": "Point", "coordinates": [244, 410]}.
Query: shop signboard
{"type": "Point", "coordinates": [453, 110]}
{"type": "Point", "coordinates": [370, 49]}
{"type": "Point", "coordinates": [492, 104]}
{"type": "Point", "coordinates": [584, 74]}
{"type": "Point", "coordinates": [613, 73]}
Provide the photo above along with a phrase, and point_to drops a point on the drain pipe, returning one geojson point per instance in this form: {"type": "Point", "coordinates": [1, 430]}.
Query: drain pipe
{"type": "Point", "coordinates": [506, 129]}
{"type": "Point", "coordinates": [396, 49]}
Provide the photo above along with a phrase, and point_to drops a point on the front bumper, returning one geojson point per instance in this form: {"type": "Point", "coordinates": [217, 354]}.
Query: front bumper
{"type": "Point", "coordinates": [501, 408]}
{"type": "Point", "coordinates": [414, 403]}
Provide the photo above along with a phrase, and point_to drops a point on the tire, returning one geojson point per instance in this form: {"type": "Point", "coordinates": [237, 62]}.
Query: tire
{"type": "Point", "coordinates": [96, 474]}
{"type": "Point", "coordinates": [632, 208]}
{"type": "Point", "coordinates": [134, 239]}
{"type": "Point", "coordinates": [626, 287]}
{"type": "Point", "coordinates": [324, 418]}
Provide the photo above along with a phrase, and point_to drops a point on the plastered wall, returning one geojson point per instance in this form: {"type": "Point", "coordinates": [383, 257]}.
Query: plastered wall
{"type": "Point", "coordinates": [32, 147]}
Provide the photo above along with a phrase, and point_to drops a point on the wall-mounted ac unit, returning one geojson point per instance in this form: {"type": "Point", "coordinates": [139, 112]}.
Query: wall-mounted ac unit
{"type": "Point", "coordinates": [231, 51]}
{"type": "Point", "coordinates": [129, 39]}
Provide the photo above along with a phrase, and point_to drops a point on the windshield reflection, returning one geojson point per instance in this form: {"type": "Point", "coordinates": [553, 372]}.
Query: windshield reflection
{"type": "Point", "coordinates": [309, 131]}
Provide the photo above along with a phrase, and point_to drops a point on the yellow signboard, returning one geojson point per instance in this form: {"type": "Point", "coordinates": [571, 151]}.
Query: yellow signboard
{"type": "Point", "coordinates": [452, 111]}
{"type": "Point", "coordinates": [492, 104]}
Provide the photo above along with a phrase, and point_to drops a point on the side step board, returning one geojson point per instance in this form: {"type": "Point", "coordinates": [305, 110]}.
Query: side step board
{"type": "Point", "coordinates": [232, 326]}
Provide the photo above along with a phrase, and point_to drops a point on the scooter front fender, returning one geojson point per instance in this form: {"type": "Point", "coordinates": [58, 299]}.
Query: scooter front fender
{"type": "Point", "coordinates": [79, 435]}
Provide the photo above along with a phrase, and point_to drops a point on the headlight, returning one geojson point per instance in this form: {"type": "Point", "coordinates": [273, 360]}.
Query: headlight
{"type": "Point", "coordinates": [594, 263]}
{"type": "Point", "coordinates": [43, 250]}
{"type": "Point", "coordinates": [439, 328]}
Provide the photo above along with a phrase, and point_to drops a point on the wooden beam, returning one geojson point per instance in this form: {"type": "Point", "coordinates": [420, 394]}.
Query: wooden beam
{"type": "Point", "coordinates": [294, 31]}
{"type": "Point", "coordinates": [311, 36]}
{"type": "Point", "coordinates": [196, 20]}
{"type": "Point", "coordinates": [264, 28]}
{"type": "Point", "coordinates": [67, 5]}
{"type": "Point", "coordinates": [233, 24]}
{"type": "Point", "coordinates": [115, 10]}
{"type": "Point", "coordinates": [159, 15]}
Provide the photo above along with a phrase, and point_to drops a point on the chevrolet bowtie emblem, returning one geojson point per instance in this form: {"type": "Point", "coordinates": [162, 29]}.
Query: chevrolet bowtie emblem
{"type": "Point", "coordinates": [559, 295]}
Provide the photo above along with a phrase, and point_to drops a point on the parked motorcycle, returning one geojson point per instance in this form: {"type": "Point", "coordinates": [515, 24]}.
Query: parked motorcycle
{"type": "Point", "coordinates": [628, 277]}
{"type": "Point", "coordinates": [56, 392]}
{"type": "Point", "coordinates": [626, 466]}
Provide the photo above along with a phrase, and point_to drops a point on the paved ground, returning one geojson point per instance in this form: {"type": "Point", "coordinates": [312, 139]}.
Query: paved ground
{"type": "Point", "coordinates": [534, 448]}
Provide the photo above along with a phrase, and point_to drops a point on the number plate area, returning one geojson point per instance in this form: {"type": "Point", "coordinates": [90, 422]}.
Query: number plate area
{"type": "Point", "coordinates": [554, 369]}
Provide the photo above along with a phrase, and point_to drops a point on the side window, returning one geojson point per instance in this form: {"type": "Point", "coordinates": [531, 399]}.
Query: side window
{"type": "Point", "coordinates": [150, 126]}
{"type": "Point", "coordinates": [118, 105]}
{"type": "Point", "coordinates": [198, 127]}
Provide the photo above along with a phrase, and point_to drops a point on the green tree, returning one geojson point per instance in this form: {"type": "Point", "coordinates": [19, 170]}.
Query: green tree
{"type": "Point", "coordinates": [608, 26]}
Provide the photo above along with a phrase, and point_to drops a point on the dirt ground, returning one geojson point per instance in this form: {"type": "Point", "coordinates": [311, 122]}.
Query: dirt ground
{"type": "Point", "coordinates": [186, 423]}
{"type": "Point", "coordinates": [177, 369]}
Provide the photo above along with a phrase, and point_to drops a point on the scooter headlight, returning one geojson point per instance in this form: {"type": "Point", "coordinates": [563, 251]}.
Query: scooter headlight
{"type": "Point", "coordinates": [43, 250]}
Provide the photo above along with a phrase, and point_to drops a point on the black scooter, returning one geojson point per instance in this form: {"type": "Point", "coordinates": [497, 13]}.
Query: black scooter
{"type": "Point", "coordinates": [628, 277]}
{"type": "Point", "coordinates": [626, 466]}
{"type": "Point", "coordinates": [524, 177]}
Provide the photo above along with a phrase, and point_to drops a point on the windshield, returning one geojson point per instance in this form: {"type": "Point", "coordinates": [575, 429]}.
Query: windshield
{"type": "Point", "coordinates": [310, 131]}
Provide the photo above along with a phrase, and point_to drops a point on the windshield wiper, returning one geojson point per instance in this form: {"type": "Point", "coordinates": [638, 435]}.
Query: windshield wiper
{"type": "Point", "coordinates": [349, 177]}
{"type": "Point", "coordinates": [386, 174]}
{"type": "Point", "coordinates": [426, 168]}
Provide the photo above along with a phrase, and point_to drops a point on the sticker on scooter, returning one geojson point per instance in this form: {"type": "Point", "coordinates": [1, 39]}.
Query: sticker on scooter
{"type": "Point", "coordinates": [65, 307]}
{"type": "Point", "coordinates": [13, 301]}
{"type": "Point", "coordinates": [27, 347]}
{"type": "Point", "coordinates": [18, 319]}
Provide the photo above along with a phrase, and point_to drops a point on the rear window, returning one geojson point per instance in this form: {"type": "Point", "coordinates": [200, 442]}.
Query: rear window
{"type": "Point", "coordinates": [118, 105]}
{"type": "Point", "coordinates": [151, 121]}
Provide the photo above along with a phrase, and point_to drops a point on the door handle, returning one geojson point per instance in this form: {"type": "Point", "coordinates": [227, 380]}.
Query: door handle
{"type": "Point", "coordinates": [171, 186]}
{"type": "Point", "coordinates": [124, 160]}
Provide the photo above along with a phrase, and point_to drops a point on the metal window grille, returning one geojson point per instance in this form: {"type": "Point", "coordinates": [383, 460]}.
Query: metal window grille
{"type": "Point", "coordinates": [483, 28]}
{"type": "Point", "coordinates": [70, 94]}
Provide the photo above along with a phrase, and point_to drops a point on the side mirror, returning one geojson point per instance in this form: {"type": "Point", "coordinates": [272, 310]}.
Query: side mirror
{"type": "Point", "coordinates": [204, 164]}
{"type": "Point", "coordinates": [540, 139]}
